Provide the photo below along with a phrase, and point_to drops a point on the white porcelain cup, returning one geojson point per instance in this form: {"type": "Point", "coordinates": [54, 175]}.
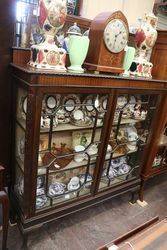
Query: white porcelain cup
{"type": "Point", "coordinates": [79, 157]}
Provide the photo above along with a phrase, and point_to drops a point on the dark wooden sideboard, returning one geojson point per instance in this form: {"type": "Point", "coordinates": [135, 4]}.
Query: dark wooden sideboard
{"type": "Point", "coordinates": [46, 131]}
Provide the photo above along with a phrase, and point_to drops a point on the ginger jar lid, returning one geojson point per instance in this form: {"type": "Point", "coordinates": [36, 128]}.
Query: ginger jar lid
{"type": "Point", "coordinates": [74, 30]}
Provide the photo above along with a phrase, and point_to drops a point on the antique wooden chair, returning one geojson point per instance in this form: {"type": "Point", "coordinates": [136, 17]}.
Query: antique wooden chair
{"type": "Point", "coordinates": [4, 200]}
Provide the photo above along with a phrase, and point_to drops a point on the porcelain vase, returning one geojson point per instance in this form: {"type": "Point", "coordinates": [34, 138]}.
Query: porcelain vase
{"type": "Point", "coordinates": [78, 49]}
{"type": "Point", "coordinates": [47, 55]}
{"type": "Point", "coordinates": [128, 59]}
{"type": "Point", "coordinates": [145, 39]}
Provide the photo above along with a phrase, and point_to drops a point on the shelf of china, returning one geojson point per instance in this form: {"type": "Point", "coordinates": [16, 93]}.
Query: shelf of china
{"type": "Point", "coordinates": [71, 127]}
{"type": "Point", "coordinates": [73, 164]}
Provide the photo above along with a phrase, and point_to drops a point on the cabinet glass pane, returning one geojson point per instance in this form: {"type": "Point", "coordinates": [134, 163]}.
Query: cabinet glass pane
{"type": "Point", "coordinates": [129, 134]}
{"type": "Point", "coordinates": [70, 135]}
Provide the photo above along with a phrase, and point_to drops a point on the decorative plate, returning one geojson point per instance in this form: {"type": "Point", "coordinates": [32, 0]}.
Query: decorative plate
{"type": "Point", "coordinates": [89, 105]}
{"type": "Point", "coordinates": [78, 118]}
{"type": "Point", "coordinates": [103, 104]}
{"type": "Point", "coordinates": [23, 106]}
{"type": "Point", "coordinates": [51, 102]}
{"type": "Point", "coordinates": [71, 102]}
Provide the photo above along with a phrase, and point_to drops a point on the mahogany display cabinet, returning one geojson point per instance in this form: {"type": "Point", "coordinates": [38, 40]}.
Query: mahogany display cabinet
{"type": "Point", "coordinates": [78, 140]}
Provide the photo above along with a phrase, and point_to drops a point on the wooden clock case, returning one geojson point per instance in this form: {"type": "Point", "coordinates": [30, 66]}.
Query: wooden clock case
{"type": "Point", "coordinates": [99, 58]}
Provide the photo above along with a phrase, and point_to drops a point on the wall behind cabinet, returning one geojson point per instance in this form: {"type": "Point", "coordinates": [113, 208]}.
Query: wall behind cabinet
{"type": "Point", "coordinates": [7, 9]}
{"type": "Point", "coordinates": [133, 9]}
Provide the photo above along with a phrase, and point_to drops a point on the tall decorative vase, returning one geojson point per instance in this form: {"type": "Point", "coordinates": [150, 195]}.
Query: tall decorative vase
{"type": "Point", "coordinates": [145, 39]}
{"type": "Point", "coordinates": [47, 55]}
{"type": "Point", "coordinates": [78, 49]}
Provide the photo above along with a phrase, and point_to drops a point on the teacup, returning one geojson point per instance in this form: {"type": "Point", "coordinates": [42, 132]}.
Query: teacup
{"type": "Point", "coordinates": [80, 156]}
{"type": "Point", "coordinates": [74, 183]}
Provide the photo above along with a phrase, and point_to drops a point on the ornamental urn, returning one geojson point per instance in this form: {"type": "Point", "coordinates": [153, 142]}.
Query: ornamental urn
{"type": "Point", "coordinates": [145, 39]}
{"type": "Point", "coordinates": [47, 55]}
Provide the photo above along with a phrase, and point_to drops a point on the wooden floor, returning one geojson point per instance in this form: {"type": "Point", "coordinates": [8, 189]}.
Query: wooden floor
{"type": "Point", "coordinates": [93, 227]}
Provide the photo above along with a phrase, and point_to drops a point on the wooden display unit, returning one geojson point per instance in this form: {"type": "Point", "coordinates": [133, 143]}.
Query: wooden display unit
{"type": "Point", "coordinates": [117, 118]}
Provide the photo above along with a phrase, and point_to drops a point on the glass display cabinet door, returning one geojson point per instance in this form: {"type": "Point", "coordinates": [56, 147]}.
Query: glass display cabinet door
{"type": "Point", "coordinates": [160, 161]}
{"type": "Point", "coordinates": [71, 127]}
{"type": "Point", "coordinates": [129, 135]}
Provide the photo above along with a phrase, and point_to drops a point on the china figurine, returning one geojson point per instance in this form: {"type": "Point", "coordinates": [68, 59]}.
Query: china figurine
{"type": "Point", "coordinates": [145, 39]}
{"type": "Point", "coordinates": [47, 55]}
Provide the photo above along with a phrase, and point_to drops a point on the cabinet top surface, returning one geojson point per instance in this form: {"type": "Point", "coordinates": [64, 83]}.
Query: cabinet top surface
{"type": "Point", "coordinates": [90, 79]}
{"type": "Point", "coordinates": [31, 70]}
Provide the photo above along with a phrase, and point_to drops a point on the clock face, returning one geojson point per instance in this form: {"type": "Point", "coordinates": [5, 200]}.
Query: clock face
{"type": "Point", "coordinates": [116, 35]}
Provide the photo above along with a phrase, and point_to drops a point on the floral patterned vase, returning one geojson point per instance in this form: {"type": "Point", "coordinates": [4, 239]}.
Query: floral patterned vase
{"type": "Point", "coordinates": [145, 39]}
{"type": "Point", "coordinates": [47, 55]}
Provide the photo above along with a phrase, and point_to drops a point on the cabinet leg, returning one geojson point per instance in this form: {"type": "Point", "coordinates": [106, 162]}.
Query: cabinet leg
{"type": "Point", "coordinates": [25, 241]}
{"type": "Point", "coordinates": [141, 191]}
{"type": "Point", "coordinates": [4, 200]}
{"type": "Point", "coordinates": [134, 197]}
